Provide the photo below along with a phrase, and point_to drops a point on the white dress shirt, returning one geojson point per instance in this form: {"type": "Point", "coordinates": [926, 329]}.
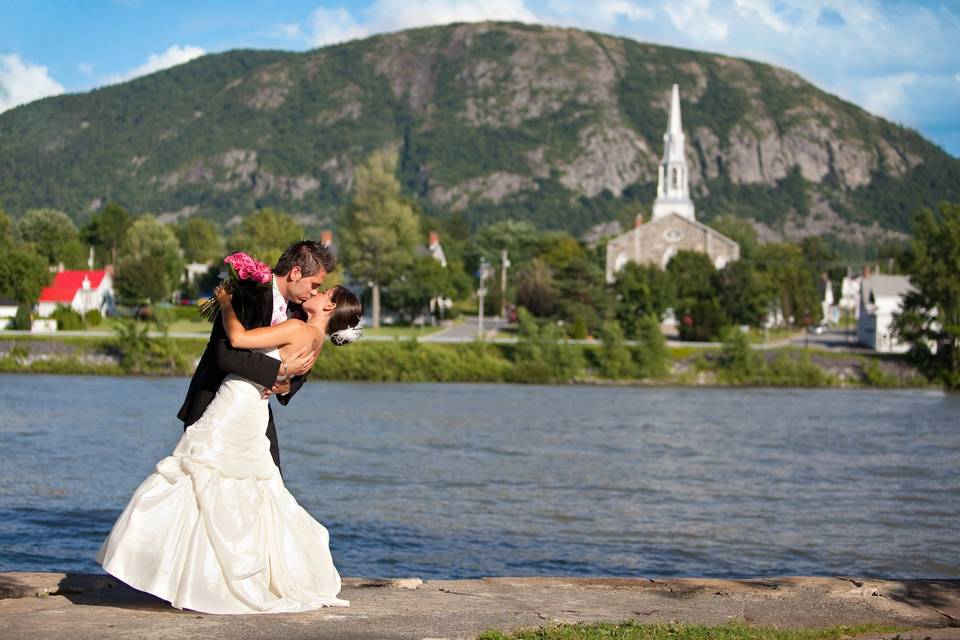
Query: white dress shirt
{"type": "Point", "coordinates": [279, 305]}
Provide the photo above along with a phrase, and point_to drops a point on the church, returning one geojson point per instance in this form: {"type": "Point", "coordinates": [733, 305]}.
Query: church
{"type": "Point", "coordinates": [673, 226]}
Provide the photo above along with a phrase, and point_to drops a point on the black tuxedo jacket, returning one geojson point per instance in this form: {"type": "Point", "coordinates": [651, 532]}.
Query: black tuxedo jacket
{"type": "Point", "coordinates": [220, 359]}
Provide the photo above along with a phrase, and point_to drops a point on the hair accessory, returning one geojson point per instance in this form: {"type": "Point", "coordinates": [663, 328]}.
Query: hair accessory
{"type": "Point", "coordinates": [348, 335]}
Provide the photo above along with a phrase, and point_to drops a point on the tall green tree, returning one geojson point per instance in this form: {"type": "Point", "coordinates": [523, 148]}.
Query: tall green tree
{"type": "Point", "coordinates": [536, 288]}
{"type": "Point", "coordinates": [697, 308]}
{"type": "Point", "coordinates": [790, 282]}
{"type": "Point", "coordinates": [426, 279]}
{"type": "Point", "coordinates": [7, 229]}
{"type": "Point", "coordinates": [23, 273]}
{"type": "Point", "coordinates": [740, 231]}
{"type": "Point", "coordinates": [742, 293]}
{"type": "Point", "coordinates": [930, 316]}
{"type": "Point", "coordinates": [380, 226]}
{"type": "Point", "coordinates": [641, 290]}
{"type": "Point", "coordinates": [199, 240]}
{"type": "Point", "coordinates": [521, 239]}
{"type": "Point", "coordinates": [266, 234]}
{"type": "Point", "coordinates": [105, 230]}
{"type": "Point", "coordinates": [54, 236]}
{"type": "Point", "coordinates": [150, 264]}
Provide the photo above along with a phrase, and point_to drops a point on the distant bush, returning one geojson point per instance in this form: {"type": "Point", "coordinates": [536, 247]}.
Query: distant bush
{"type": "Point", "coordinates": [650, 354]}
{"type": "Point", "coordinates": [93, 318]}
{"type": "Point", "coordinates": [23, 320]}
{"type": "Point", "coordinates": [67, 319]}
{"type": "Point", "coordinates": [615, 360]}
{"type": "Point", "coordinates": [540, 356]}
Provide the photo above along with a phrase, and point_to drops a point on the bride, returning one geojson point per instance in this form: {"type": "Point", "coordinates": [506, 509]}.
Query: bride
{"type": "Point", "coordinates": [213, 528]}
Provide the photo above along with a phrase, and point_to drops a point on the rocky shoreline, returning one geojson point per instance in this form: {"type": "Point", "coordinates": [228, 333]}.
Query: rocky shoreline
{"type": "Point", "coordinates": [81, 606]}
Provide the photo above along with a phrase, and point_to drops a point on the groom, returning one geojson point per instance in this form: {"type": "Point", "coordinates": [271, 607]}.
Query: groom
{"type": "Point", "coordinates": [296, 278]}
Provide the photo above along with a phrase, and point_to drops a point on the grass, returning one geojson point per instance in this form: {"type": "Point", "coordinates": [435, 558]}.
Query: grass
{"type": "Point", "coordinates": [637, 631]}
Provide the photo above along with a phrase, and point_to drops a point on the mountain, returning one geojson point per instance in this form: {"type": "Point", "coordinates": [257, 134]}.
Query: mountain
{"type": "Point", "coordinates": [491, 121]}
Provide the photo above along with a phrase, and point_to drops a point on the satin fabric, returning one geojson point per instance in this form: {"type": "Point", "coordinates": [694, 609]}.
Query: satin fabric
{"type": "Point", "coordinates": [213, 529]}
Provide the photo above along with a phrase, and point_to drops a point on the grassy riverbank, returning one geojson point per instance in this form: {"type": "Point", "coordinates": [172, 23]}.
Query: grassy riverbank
{"type": "Point", "coordinates": [409, 361]}
{"type": "Point", "coordinates": [732, 631]}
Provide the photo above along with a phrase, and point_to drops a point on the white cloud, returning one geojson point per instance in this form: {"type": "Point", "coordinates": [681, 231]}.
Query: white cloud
{"type": "Point", "coordinates": [156, 61]}
{"type": "Point", "coordinates": [402, 14]}
{"type": "Point", "coordinates": [763, 10]}
{"type": "Point", "coordinates": [330, 26]}
{"type": "Point", "coordinates": [694, 19]}
{"type": "Point", "coordinates": [86, 68]}
{"type": "Point", "coordinates": [21, 83]}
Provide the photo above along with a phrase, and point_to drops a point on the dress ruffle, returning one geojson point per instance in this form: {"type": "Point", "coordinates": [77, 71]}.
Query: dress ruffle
{"type": "Point", "coordinates": [215, 530]}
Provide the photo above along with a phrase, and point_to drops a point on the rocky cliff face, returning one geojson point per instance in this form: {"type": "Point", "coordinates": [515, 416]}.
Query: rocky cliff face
{"type": "Point", "coordinates": [559, 126]}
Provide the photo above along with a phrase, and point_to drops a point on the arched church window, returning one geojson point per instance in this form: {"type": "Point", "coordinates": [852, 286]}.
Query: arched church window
{"type": "Point", "coordinates": [620, 262]}
{"type": "Point", "coordinates": [668, 256]}
{"type": "Point", "coordinates": [675, 178]}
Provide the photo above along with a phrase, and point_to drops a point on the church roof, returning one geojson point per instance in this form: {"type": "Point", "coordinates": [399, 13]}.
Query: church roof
{"type": "Point", "coordinates": [693, 223]}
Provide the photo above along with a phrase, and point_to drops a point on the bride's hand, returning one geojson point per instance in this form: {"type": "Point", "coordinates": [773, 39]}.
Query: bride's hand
{"type": "Point", "coordinates": [300, 362]}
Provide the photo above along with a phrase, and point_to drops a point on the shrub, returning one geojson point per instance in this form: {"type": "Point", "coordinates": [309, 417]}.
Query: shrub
{"type": "Point", "coordinates": [540, 356]}
{"type": "Point", "coordinates": [93, 318]}
{"type": "Point", "coordinates": [650, 354]}
{"type": "Point", "coordinates": [23, 320]}
{"type": "Point", "coordinates": [67, 319]}
{"type": "Point", "coordinates": [615, 358]}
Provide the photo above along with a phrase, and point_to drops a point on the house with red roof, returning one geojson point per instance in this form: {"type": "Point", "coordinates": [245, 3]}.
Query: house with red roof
{"type": "Point", "coordinates": [79, 290]}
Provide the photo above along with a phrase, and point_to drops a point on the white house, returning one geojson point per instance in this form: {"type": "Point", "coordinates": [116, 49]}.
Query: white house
{"type": "Point", "coordinates": [880, 297]}
{"type": "Point", "coordinates": [850, 295]}
{"type": "Point", "coordinates": [82, 291]}
{"type": "Point", "coordinates": [8, 311]}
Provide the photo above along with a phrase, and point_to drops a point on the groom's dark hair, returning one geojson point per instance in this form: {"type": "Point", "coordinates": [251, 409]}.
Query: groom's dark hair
{"type": "Point", "coordinates": [309, 255]}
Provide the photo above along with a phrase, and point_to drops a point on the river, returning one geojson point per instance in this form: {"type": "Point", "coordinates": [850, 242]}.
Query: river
{"type": "Point", "coordinates": [454, 481]}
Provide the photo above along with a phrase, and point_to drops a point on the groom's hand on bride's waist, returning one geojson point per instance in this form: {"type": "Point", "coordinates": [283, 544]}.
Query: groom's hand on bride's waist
{"type": "Point", "coordinates": [281, 387]}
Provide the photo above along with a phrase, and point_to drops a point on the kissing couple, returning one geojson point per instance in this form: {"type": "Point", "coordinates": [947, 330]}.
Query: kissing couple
{"type": "Point", "coordinates": [213, 528]}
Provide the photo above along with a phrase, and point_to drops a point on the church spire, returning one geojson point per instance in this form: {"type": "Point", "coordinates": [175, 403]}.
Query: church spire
{"type": "Point", "coordinates": [673, 191]}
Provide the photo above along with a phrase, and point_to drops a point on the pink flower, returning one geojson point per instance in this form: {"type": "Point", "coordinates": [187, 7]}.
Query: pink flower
{"type": "Point", "coordinates": [249, 268]}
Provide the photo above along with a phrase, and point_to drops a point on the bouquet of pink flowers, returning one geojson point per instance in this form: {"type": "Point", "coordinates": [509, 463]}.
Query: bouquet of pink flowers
{"type": "Point", "coordinates": [244, 275]}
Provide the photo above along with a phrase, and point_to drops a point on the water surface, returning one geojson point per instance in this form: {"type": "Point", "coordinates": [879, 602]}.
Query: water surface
{"type": "Point", "coordinates": [451, 481]}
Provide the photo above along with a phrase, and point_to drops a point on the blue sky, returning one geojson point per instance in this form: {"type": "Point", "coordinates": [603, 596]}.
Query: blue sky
{"type": "Point", "coordinates": [895, 58]}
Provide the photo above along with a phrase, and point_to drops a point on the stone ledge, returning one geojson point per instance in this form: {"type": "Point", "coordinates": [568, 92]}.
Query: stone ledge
{"type": "Point", "coordinates": [82, 606]}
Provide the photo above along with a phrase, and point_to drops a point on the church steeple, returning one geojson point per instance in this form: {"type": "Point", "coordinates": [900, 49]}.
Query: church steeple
{"type": "Point", "coordinates": [673, 191]}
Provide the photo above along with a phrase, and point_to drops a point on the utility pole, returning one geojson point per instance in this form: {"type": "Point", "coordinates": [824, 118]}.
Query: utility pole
{"type": "Point", "coordinates": [481, 292]}
{"type": "Point", "coordinates": [504, 263]}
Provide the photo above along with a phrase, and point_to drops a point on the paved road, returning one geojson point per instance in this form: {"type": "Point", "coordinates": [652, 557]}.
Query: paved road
{"type": "Point", "coordinates": [832, 340]}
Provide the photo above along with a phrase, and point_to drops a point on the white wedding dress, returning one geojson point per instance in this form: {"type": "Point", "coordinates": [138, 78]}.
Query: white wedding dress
{"type": "Point", "coordinates": [213, 529]}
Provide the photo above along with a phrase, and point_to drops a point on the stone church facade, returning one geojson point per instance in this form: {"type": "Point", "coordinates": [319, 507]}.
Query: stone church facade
{"type": "Point", "coordinates": [673, 226]}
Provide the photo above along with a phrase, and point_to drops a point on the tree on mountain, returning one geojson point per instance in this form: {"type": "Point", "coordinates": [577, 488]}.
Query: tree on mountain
{"type": "Point", "coordinates": [380, 226]}
{"type": "Point", "coordinates": [150, 263]}
{"type": "Point", "coordinates": [7, 229]}
{"type": "Point", "coordinates": [265, 234]}
{"type": "Point", "coordinates": [54, 236]}
{"type": "Point", "coordinates": [199, 240]}
{"type": "Point", "coordinates": [105, 230]}
{"type": "Point", "coordinates": [930, 316]}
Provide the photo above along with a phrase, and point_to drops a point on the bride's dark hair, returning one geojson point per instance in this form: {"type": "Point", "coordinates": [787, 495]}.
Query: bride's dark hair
{"type": "Point", "coordinates": [346, 315]}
